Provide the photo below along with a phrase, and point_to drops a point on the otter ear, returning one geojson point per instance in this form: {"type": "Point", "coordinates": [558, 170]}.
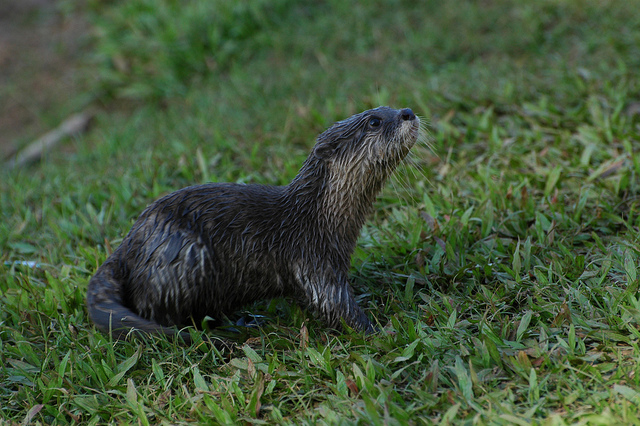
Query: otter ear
{"type": "Point", "coordinates": [324, 150]}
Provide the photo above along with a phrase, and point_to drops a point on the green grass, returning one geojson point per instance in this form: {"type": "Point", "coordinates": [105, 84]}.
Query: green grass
{"type": "Point", "coordinates": [503, 266]}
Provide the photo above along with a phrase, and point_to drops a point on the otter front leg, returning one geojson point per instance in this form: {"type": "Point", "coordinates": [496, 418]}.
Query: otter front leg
{"type": "Point", "coordinates": [333, 302]}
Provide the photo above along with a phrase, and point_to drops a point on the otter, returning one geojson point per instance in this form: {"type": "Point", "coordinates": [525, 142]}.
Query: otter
{"type": "Point", "coordinates": [206, 250]}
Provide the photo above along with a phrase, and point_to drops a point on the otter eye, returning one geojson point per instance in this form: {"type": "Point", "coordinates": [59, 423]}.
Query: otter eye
{"type": "Point", "coordinates": [375, 122]}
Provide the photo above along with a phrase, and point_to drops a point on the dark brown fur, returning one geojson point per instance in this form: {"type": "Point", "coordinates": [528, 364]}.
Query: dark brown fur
{"type": "Point", "coordinates": [206, 250]}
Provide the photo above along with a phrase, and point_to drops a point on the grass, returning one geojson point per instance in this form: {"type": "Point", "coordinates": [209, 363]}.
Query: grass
{"type": "Point", "coordinates": [503, 268]}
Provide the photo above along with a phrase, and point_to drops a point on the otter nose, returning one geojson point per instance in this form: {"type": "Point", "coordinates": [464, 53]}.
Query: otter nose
{"type": "Point", "coordinates": [407, 114]}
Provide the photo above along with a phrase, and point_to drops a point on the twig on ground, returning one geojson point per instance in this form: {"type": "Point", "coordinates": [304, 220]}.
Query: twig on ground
{"type": "Point", "coordinates": [73, 125]}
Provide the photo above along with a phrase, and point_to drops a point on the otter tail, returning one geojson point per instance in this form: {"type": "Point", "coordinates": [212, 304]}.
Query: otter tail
{"type": "Point", "coordinates": [111, 316]}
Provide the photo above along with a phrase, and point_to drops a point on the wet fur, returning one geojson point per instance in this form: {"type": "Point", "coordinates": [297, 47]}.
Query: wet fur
{"type": "Point", "coordinates": [209, 249]}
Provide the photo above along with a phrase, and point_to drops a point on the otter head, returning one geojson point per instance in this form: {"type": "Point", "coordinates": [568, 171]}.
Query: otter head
{"type": "Point", "coordinates": [349, 164]}
{"type": "Point", "coordinates": [365, 148]}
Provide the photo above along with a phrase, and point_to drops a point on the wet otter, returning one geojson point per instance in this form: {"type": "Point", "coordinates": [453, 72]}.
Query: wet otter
{"type": "Point", "coordinates": [206, 250]}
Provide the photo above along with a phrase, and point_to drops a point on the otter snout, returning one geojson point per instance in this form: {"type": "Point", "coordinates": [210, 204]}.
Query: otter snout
{"type": "Point", "coordinates": [407, 115]}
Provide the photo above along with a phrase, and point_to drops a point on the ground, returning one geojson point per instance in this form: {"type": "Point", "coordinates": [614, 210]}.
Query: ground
{"type": "Point", "coordinates": [41, 48]}
{"type": "Point", "coordinates": [502, 267]}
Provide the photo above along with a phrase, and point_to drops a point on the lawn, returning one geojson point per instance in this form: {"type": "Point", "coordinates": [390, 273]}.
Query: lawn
{"type": "Point", "coordinates": [502, 262]}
